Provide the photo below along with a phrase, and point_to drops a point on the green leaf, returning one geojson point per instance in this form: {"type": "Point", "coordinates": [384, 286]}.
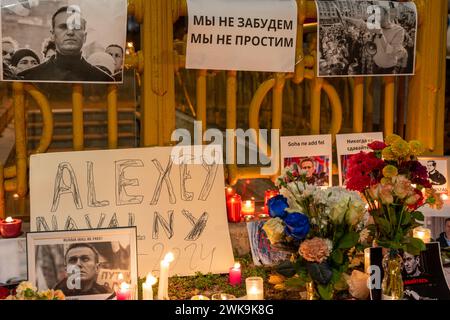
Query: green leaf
{"type": "Point", "coordinates": [337, 256]}
{"type": "Point", "coordinates": [417, 215]}
{"type": "Point", "coordinates": [295, 282]}
{"type": "Point", "coordinates": [320, 273]}
{"type": "Point", "coordinates": [406, 219]}
{"type": "Point", "coordinates": [349, 240]}
{"type": "Point", "coordinates": [325, 292]}
{"type": "Point", "coordinates": [415, 246]}
{"type": "Point", "coordinates": [384, 225]}
{"type": "Point", "coordinates": [286, 269]}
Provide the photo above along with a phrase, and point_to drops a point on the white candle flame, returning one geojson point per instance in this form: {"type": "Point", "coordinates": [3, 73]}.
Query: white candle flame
{"type": "Point", "coordinates": [237, 265]}
{"type": "Point", "coordinates": [124, 286]}
{"type": "Point", "coordinates": [9, 220]}
{"type": "Point", "coordinates": [169, 257]}
{"type": "Point", "coordinates": [151, 280]}
{"type": "Point", "coordinates": [120, 277]}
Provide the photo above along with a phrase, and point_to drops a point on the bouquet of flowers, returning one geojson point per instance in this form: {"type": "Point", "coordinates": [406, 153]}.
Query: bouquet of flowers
{"type": "Point", "coordinates": [26, 291]}
{"type": "Point", "coordinates": [395, 185]}
{"type": "Point", "coordinates": [322, 226]}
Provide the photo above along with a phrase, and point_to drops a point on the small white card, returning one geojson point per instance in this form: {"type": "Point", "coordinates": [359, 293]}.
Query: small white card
{"type": "Point", "coordinates": [311, 153]}
{"type": "Point", "coordinates": [350, 144]}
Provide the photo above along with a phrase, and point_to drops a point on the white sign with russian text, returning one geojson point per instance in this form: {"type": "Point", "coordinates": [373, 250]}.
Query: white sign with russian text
{"type": "Point", "coordinates": [244, 35]}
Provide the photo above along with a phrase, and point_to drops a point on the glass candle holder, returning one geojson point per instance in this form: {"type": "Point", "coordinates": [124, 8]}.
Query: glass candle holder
{"type": "Point", "coordinates": [234, 207]}
{"type": "Point", "coordinates": [255, 288]}
{"type": "Point", "coordinates": [269, 194]}
{"type": "Point", "coordinates": [248, 209]}
{"type": "Point", "coordinates": [10, 228]}
{"type": "Point", "coordinates": [222, 296]}
{"type": "Point", "coordinates": [126, 292]}
{"type": "Point", "coordinates": [422, 233]}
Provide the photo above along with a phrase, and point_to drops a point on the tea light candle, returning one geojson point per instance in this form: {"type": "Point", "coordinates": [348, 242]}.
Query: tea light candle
{"type": "Point", "coordinates": [147, 287]}
{"type": "Point", "coordinates": [235, 275]}
{"type": "Point", "coordinates": [255, 288]}
{"type": "Point", "coordinates": [200, 297]}
{"type": "Point", "coordinates": [222, 296]}
{"type": "Point", "coordinates": [422, 233]}
{"type": "Point", "coordinates": [248, 209]}
{"type": "Point", "coordinates": [269, 194]}
{"type": "Point", "coordinates": [10, 228]}
{"type": "Point", "coordinates": [124, 292]}
{"type": "Point", "coordinates": [234, 206]}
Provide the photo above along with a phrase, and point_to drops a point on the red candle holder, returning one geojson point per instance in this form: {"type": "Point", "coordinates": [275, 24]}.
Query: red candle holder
{"type": "Point", "coordinates": [234, 207]}
{"type": "Point", "coordinates": [229, 192]}
{"type": "Point", "coordinates": [10, 228]}
{"type": "Point", "coordinates": [235, 275]}
{"type": "Point", "coordinates": [269, 194]}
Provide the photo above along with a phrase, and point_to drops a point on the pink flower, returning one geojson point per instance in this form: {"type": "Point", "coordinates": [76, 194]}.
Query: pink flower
{"type": "Point", "coordinates": [402, 186]}
{"type": "Point", "coordinates": [377, 145]}
{"type": "Point", "coordinates": [315, 250]}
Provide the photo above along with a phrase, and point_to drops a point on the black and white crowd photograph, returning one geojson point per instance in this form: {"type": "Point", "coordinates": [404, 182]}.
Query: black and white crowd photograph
{"type": "Point", "coordinates": [364, 38]}
{"type": "Point", "coordinates": [69, 41]}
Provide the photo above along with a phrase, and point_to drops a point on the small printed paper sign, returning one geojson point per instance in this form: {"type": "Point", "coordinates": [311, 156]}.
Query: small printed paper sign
{"type": "Point", "coordinates": [350, 144]}
{"type": "Point", "coordinates": [311, 153]}
{"type": "Point", "coordinates": [437, 168]}
{"type": "Point", "coordinates": [242, 35]}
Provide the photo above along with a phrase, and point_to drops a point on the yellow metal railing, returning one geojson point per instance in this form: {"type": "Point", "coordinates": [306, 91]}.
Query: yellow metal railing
{"type": "Point", "coordinates": [157, 63]}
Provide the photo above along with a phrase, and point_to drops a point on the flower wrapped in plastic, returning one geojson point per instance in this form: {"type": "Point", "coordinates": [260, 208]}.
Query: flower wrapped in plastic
{"type": "Point", "coordinates": [26, 291]}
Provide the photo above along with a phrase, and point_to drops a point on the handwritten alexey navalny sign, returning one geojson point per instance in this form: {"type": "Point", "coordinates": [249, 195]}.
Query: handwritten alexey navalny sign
{"type": "Point", "coordinates": [177, 206]}
{"type": "Point", "coordinates": [246, 35]}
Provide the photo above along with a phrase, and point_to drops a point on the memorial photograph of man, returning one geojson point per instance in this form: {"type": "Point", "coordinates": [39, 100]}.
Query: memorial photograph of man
{"type": "Point", "coordinates": [66, 34]}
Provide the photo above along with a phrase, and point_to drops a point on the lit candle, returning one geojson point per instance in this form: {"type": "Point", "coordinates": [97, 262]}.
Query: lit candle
{"type": "Point", "coordinates": [234, 206]}
{"type": "Point", "coordinates": [147, 287]}
{"type": "Point", "coordinates": [366, 260]}
{"type": "Point", "coordinates": [124, 292]}
{"type": "Point", "coordinates": [422, 233]}
{"type": "Point", "coordinates": [269, 194]}
{"type": "Point", "coordinates": [248, 209]}
{"type": "Point", "coordinates": [229, 192]}
{"type": "Point", "coordinates": [163, 288]}
{"type": "Point", "coordinates": [444, 197]}
{"type": "Point", "coordinates": [10, 228]}
{"type": "Point", "coordinates": [235, 275]}
{"type": "Point", "coordinates": [255, 288]}
{"type": "Point", "coordinates": [222, 296]}
{"type": "Point", "coordinates": [200, 297]}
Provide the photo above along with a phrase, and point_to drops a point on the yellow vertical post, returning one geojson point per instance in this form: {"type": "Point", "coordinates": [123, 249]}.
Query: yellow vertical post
{"type": "Point", "coordinates": [231, 123]}
{"type": "Point", "coordinates": [358, 95]}
{"type": "Point", "coordinates": [77, 117]}
{"type": "Point", "coordinates": [389, 99]}
{"type": "Point", "coordinates": [158, 81]}
{"type": "Point", "coordinates": [369, 104]}
{"type": "Point", "coordinates": [112, 117]}
{"type": "Point", "coordinates": [277, 102]}
{"type": "Point", "coordinates": [201, 98]}
{"type": "Point", "coordinates": [21, 143]}
{"type": "Point", "coordinates": [426, 97]}
{"type": "Point", "coordinates": [316, 88]}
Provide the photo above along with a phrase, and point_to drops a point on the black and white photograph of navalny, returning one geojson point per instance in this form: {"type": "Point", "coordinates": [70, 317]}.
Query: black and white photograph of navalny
{"type": "Point", "coordinates": [72, 41]}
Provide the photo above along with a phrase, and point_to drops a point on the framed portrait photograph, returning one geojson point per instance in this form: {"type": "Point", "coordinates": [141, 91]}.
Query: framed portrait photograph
{"type": "Point", "coordinates": [317, 168]}
{"type": "Point", "coordinates": [437, 168]}
{"type": "Point", "coordinates": [64, 41]}
{"type": "Point", "coordinates": [366, 38]}
{"type": "Point", "coordinates": [83, 264]}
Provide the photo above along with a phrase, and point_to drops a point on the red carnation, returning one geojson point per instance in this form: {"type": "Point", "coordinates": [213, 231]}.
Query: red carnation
{"type": "Point", "coordinates": [4, 293]}
{"type": "Point", "coordinates": [377, 145]}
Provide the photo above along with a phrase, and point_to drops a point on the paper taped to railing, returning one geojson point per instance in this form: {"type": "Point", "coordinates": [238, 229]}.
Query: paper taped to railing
{"type": "Point", "coordinates": [250, 35]}
{"type": "Point", "coordinates": [177, 206]}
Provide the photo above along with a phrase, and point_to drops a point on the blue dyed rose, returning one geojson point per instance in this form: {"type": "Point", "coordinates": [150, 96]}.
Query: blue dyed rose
{"type": "Point", "coordinates": [297, 226]}
{"type": "Point", "coordinates": [277, 206]}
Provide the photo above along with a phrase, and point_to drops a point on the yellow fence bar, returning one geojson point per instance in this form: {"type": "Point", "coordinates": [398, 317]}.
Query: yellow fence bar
{"type": "Point", "coordinates": [389, 105]}
{"type": "Point", "coordinates": [21, 183]}
{"type": "Point", "coordinates": [112, 117]}
{"type": "Point", "coordinates": [77, 117]}
{"type": "Point", "coordinates": [358, 115]}
{"type": "Point", "coordinates": [201, 98]}
{"type": "Point", "coordinates": [47, 117]}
